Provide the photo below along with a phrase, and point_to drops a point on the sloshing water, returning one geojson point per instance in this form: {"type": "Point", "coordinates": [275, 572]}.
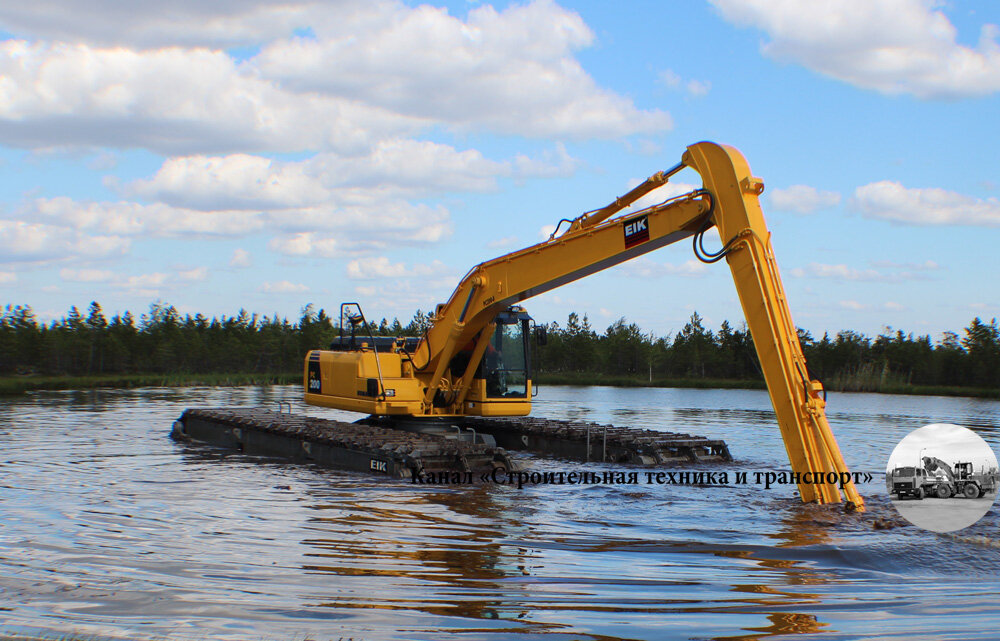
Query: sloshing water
{"type": "Point", "coordinates": [110, 529]}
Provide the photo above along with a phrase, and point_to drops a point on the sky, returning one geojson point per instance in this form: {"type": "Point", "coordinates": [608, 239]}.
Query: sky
{"type": "Point", "coordinates": [950, 443]}
{"type": "Point", "coordinates": [268, 154]}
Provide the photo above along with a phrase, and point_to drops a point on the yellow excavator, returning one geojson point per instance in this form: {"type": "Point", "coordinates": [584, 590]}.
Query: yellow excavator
{"type": "Point", "coordinates": [474, 359]}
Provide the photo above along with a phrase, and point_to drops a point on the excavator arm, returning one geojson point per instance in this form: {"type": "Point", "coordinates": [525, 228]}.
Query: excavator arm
{"type": "Point", "coordinates": [438, 375]}
{"type": "Point", "coordinates": [495, 285]}
{"type": "Point", "coordinates": [933, 464]}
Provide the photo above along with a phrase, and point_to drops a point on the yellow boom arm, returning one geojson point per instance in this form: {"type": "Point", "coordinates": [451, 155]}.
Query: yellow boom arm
{"type": "Point", "coordinates": [439, 377]}
{"type": "Point", "coordinates": [600, 239]}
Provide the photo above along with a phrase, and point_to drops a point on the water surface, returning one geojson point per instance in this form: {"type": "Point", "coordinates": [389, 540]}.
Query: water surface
{"type": "Point", "coordinates": [110, 529]}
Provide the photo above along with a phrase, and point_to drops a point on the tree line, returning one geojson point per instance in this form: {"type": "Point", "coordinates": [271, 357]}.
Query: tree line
{"type": "Point", "coordinates": [164, 341]}
{"type": "Point", "coordinates": [848, 360]}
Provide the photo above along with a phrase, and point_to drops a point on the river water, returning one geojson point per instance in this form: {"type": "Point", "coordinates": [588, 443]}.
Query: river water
{"type": "Point", "coordinates": [108, 529]}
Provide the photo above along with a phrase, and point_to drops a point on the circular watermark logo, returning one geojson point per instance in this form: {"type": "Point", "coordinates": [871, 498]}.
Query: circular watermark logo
{"type": "Point", "coordinates": [942, 477]}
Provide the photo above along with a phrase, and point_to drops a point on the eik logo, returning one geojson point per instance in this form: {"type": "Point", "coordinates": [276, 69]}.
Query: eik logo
{"type": "Point", "coordinates": [636, 231]}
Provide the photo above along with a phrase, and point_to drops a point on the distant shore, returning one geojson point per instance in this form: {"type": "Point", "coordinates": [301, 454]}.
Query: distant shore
{"type": "Point", "coordinates": [575, 378]}
{"type": "Point", "coordinates": [17, 385]}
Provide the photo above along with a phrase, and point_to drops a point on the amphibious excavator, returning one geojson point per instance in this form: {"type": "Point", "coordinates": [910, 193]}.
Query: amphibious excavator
{"type": "Point", "coordinates": [958, 480]}
{"type": "Point", "coordinates": [473, 363]}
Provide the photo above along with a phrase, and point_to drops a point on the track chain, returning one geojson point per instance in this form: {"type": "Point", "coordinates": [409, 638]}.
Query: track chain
{"type": "Point", "coordinates": [409, 451]}
{"type": "Point", "coordinates": [595, 442]}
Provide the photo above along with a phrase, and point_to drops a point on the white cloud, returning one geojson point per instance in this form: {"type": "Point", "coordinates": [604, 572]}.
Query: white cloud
{"type": "Point", "coordinates": [374, 267]}
{"type": "Point", "coordinates": [853, 304]}
{"type": "Point", "coordinates": [361, 229]}
{"type": "Point", "coordinates": [38, 242]}
{"type": "Point", "coordinates": [241, 258]}
{"type": "Point", "coordinates": [86, 275]}
{"type": "Point", "coordinates": [103, 161]}
{"type": "Point", "coordinates": [131, 219]}
{"type": "Point", "coordinates": [144, 281]}
{"type": "Point", "coordinates": [644, 147]}
{"type": "Point", "coordinates": [391, 168]}
{"type": "Point", "coordinates": [803, 199]}
{"type": "Point", "coordinates": [188, 22]}
{"type": "Point", "coordinates": [670, 78]}
{"type": "Point", "coordinates": [893, 306]}
{"type": "Point", "coordinates": [698, 87]}
{"type": "Point", "coordinates": [927, 265]}
{"type": "Point", "coordinates": [145, 285]}
{"type": "Point", "coordinates": [365, 197]}
{"type": "Point", "coordinates": [505, 242]}
{"type": "Point", "coordinates": [140, 284]}
{"type": "Point", "coordinates": [889, 272]}
{"type": "Point", "coordinates": [695, 88]}
{"type": "Point", "coordinates": [8, 277]}
{"type": "Point", "coordinates": [237, 181]}
{"type": "Point", "coordinates": [551, 163]}
{"type": "Point", "coordinates": [838, 272]}
{"type": "Point", "coordinates": [192, 275]}
{"type": "Point", "coordinates": [889, 200]}
{"type": "Point", "coordinates": [380, 267]}
{"type": "Point", "coordinates": [170, 100]}
{"type": "Point", "coordinates": [306, 244]}
{"type": "Point", "coordinates": [400, 296]}
{"type": "Point", "coordinates": [124, 77]}
{"type": "Point", "coordinates": [283, 287]}
{"type": "Point", "coordinates": [511, 71]}
{"type": "Point", "coordinates": [892, 46]}
{"type": "Point", "coordinates": [368, 223]}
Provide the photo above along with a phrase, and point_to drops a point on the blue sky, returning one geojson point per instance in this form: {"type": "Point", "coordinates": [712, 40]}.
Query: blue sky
{"type": "Point", "coordinates": [267, 154]}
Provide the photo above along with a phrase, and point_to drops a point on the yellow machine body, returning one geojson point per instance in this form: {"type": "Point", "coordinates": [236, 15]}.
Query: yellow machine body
{"type": "Point", "coordinates": [445, 373]}
{"type": "Point", "coordinates": [387, 383]}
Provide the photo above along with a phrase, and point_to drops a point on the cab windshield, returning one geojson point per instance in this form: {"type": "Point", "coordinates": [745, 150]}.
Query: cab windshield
{"type": "Point", "coordinates": [506, 365]}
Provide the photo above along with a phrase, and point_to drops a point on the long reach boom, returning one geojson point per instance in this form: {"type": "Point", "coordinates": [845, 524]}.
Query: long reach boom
{"type": "Point", "coordinates": [454, 370]}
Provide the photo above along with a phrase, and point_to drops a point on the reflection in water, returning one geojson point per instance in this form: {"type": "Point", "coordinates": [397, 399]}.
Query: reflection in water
{"type": "Point", "coordinates": [781, 623]}
{"type": "Point", "coordinates": [111, 529]}
{"type": "Point", "coordinates": [460, 553]}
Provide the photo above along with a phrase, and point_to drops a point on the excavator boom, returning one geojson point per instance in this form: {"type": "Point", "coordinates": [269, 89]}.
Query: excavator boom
{"type": "Point", "coordinates": [446, 373]}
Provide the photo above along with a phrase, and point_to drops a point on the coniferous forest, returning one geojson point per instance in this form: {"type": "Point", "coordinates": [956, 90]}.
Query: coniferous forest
{"type": "Point", "coordinates": [161, 341]}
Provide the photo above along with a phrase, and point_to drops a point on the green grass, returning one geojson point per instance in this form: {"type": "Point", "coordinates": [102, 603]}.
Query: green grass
{"type": "Point", "coordinates": [941, 390]}
{"type": "Point", "coordinates": [14, 385]}
{"type": "Point", "coordinates": [880, 387]}
{"type": "Point", "coordinates": [583, 378]}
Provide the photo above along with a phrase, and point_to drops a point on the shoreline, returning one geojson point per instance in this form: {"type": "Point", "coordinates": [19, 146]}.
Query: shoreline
{"type": "Point", "coordinates": [725, 383]}
{"type": "Point", "coordinates": [20, 385]}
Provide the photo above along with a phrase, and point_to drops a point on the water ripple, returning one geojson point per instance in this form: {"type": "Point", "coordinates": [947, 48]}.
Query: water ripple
{"type": "Point", "coordinates": [111, 530]}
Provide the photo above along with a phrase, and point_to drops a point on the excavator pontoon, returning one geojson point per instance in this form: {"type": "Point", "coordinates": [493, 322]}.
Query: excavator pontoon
{"type": "Point", "coordinates": [469, 375]}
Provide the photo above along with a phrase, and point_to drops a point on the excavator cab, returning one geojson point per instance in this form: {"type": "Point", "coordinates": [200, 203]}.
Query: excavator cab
{"type": "Point", "coordinates": [375, 374]}
{"type": "Point", "coordinates": [963, 471]}
{"type": "Point", "coordinates": [501, 385]}
{"type": "Point", "coordinates": [506, 365]}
